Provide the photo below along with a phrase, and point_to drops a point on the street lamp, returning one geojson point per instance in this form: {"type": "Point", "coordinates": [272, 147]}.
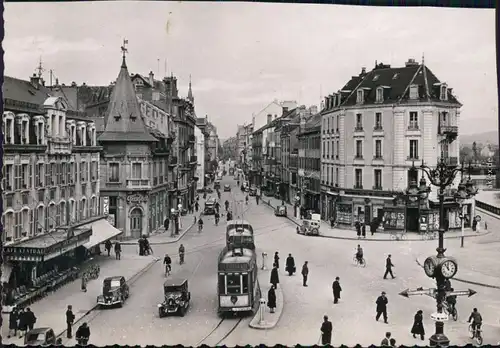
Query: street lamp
{"type": "Point", "coordinates": [466, 190]}
{"type": "Point", "coordinates": [441, 267]}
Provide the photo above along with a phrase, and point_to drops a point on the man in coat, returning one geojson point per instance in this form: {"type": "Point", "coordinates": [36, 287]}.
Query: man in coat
{"type": "Point", "coordinates": [277, 259]}
{"type": "Point", "coordinates": [271, 299]}
{"type": "Point", "coordinates": [118, 250]}
{"type": "Point", "coordinates": [290, 265]}
{"type": "Point", "coordinates": [107, 246]}
{"type": "Point", "coordinates": [305, 273]}
{"type": "Point", "coordinates": [274, 276]}
{"type": "Point", "coordinates": [388, 267]}
{"type": "Point", "coordinates": [386, 341]}
{"type": "Point", "coordinates": [326, 331]}
{"type": "Point", "coordinates": [336, 290]}
{"type": "Point", "coordinates": [382, 307]}
{"type": "Point", "coordinates": [70, 319]}
{"type": "Point", "coordinates": [30, 319]}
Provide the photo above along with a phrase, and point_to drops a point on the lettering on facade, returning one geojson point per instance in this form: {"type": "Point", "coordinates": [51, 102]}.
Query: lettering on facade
{"type": "Point", "coordinates": [105, 205]}
{"type": "Point", "coordinates": [136, 198]}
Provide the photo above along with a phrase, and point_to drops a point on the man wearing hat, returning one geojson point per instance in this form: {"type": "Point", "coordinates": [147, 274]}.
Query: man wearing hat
{"type": "Point", "coordinates": [326, 331]}
{"type": "Point", "coordinates": [382, 307]}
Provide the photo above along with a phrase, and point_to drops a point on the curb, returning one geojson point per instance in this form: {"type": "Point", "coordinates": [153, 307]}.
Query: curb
{"type": "Point", "coordinates": [488, 213]}
{"type": "Point", "coordinates": [464, 280]}
{"type": "Point", "coordinates": [384, 240]}
{"type": "Point", "coordinates": [178, 238]}
{"type": "Point", "coordinates": [130, 281]}
{"type": "Point", "coordinates": [268, 327]}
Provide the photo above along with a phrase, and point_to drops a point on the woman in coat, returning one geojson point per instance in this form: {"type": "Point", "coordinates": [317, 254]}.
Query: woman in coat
{"type": "Point", "coordinates": [277, 260]}
{"type": "Point", "coordinates": [290, 265]}
{"type": "Point", "coordinates": [271, 299]}
{"type": "Point", "coordinates": [13, 318]}
{"type": "Point", "coordinates": [418, 325]}
{"type": "Point", "coordinates": [274, 276]}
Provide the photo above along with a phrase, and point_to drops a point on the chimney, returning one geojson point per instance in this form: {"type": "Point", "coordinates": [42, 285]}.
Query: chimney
{"type": "Point", "coordinates": [35, 81]}
{"type": "Point", "coordinates": [411, 62]}
{"type": "Point", "coordinates": [57, 81]}
{"type": "Point", "coordinates": [269, 118]}
{"type": "Point", "coordinates": [73, 84]}
{"type": "Point", "coordinates": [151, 78]}
{"type": "Point", "coordinates": [363, 71]}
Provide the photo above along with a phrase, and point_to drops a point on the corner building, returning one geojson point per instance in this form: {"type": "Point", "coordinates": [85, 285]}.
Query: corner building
{"type": "Point", "coordinates": [373, 130]}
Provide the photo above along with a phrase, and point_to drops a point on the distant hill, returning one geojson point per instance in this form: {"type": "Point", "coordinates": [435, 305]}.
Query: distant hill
{"type": "Point", "coordinates": [482, 138]}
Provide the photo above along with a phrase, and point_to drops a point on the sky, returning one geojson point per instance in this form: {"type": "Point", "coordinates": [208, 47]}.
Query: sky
{"type": "Point", "coordinates": [242, 56]}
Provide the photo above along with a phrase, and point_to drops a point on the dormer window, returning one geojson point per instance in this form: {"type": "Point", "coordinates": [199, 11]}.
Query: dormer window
{"type": "Point", "coordinates": [444, 93]}
{"type": "Point", "coordinates": [360, 96]}
{"type": "Point", "coordinates": [334, 100]}
{"type": "Point", "coordinates": [380, 94]}
{"type": "Point", "coordinates": [414, 92]}
{"type": "Point", "coordinates": [395, 76]}
{"type": "Point", "coordinates": [375, 78]}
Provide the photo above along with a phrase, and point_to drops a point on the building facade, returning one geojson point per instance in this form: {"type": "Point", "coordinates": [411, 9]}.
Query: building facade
{"type": "Point", "coordinates": [200, 155]}
{"type": "Point", "coordinates": [373, 130]}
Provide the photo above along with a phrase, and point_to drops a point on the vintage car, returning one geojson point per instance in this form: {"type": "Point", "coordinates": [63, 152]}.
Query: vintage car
{"type": "Point", "coordinates": [210, 206]}
{"type": "Point", "coordinates": [310, 227]}
{"type": "Point", "coordinates": [115, 291]}
{"type": "Point", "coordinates": [209, 190]}
{"type": "Point", "coordinates": [253, 191]}
{"type": "Point", "coordinates": [227, 188]}
{"type": "Point", "coordinates": [280, 210]}
{"type": "Point", "coordinates": [40, 337]}
{"type": "Point", "coordinates": [217, 184]}
{"type": "Point", "coordinates": [177, 298]}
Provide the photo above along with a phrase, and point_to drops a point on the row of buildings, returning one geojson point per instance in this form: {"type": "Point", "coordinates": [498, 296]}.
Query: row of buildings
{"type": "Point", "coordinates": [354, 159]}
{"type": "Point", "coordinates": [84, 163]}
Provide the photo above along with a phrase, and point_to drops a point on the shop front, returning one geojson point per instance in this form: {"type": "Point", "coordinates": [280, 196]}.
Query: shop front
{"type": "Point", "coordinates": [312, 200]}
{"type": "Point", "coordinates": [352, 207]}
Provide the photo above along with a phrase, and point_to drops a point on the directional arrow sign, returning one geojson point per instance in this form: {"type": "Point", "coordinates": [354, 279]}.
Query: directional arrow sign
{"type": "Point", "coordinates": [468, 293]}
{"type": "Point", "coordinates": [419, 291]}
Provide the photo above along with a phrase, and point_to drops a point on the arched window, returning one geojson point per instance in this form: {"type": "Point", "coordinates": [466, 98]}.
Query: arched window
{"type": "Point", "coordinates": [52, 217]}
{"type": "Point", "coordinates": [25, 221]}
{"type": "Point", "coordinates": [136, 221]}
{"type": "Point", "coordinates": [40, 219]}
{"type": "Point", "coordinates": [9, 225]}
{"type": "Point", "coordinates": [63, 213]}
{"type": "Point", "coordinates": [83, 209]}
{"type": "Point", "coordinates": [93, 207]}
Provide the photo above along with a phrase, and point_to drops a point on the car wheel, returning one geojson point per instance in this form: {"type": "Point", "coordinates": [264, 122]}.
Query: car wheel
{"type": "Point", "coordinates": [160, 313]}
{"type": "Point", "coordinates": [182, 311]}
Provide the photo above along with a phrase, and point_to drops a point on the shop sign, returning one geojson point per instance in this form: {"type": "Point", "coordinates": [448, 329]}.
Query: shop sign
{"type": "Point", "coordinates": [17, 252]}
{"type": "Point", "coordinates": [136, 198]}
{"type": "Point", "coordinates": [105, 205]}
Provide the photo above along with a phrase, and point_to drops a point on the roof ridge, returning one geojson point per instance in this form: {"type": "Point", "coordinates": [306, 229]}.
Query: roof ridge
{"type": "Point", "coordinates": [354, 89]}
{"type": "Point", "coordinates": [427, 92]}
{"type": "Point", "coordinates": [409, 84]}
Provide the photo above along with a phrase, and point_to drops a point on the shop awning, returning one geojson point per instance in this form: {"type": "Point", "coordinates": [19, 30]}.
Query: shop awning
{"type": "Point", "coordinates": [102, 230]}
{"type": "Point", "coordinates": [6, 271]}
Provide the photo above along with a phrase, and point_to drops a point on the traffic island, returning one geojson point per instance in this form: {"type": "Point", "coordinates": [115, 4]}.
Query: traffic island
{"type": "Point", "coordinates": [264, 319]}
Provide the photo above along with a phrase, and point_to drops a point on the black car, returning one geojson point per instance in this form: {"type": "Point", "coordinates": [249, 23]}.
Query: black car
{"type": "Point", "coordinates": [176, 298]}
{"type": "Point", "coordinates": [40, 337]}
{"type": "Point", "coordinates": [227, 188]}
{"type": "Point", "coordinates": [115, 291]}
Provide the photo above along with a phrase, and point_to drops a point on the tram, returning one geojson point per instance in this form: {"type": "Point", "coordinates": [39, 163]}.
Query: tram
{"type": "Point", "coordinates": [239, 234]}
{"type": "Point", "coordinates": [238, 287]}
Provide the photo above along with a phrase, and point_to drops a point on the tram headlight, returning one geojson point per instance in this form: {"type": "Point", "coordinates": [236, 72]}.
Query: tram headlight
{"type": "Point", "coordinates": [159, 305]}
{"type": "Point", "coordinates": [177, 300]}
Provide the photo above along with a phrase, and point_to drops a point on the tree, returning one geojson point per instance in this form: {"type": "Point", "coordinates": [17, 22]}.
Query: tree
{"type": "Point", "coordinates": [466, 154]}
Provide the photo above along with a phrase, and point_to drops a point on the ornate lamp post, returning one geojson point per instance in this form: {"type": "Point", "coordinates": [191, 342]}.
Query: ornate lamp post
{"type": "Point", "coordinates": [466, 190]}
{"type": "Point", "coordinates": [441, 267]}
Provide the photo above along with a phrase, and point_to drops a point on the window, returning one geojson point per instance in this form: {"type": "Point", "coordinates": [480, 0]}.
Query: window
{"type": "Point", "coordinates": [380, 94]}
{"type": "Point", "coordinates": [413, 124]}
{"type": "Point", "coordinates": [360, 96]}
{"type": "Point", "coordinates": [324, 151]}
{"type": "Point", "coordinates": [395, 76]}
{"type": "Point", "coordinates": [338, 122]}
{"type": "Point", "coordinates": [443, 118]}
{"type": "Point", "coordinates": [336, 176]}
{"type": "Point", "coordinates": [25, 177]}
{"type": "Point", "coordinates": [378, 148]}
{"type": "Point", "coordinates": [113, 172]}
{"type": "Point", "coordinates": [378, 120]}
{"type": "Point", "coordinates": [359, 149]}
{"type": "Point", "coordinates": [333, 149]}
{"type": "Point", "coordinates": [8, 176]}
{"type": "Point", "coordinates": [413, 92]}
{"type": "Point", "coordinates": [375, 78]}
{"type": "Point", "coordinates": [358, 178]}
{"type": "Point", "coordinates": [413, 149]}
{"type": "Point", "coordinates": [233, 284]}
{"type": "Point", "coordinates": [328, 124]}
{"type": "Point", "coordinates": [136, 220]}
{"type": "Point", "coordinates": [328, 150]}
{"type": "Point", "coordinates": [17, 177]}
{"type": "Point", "coordinates": [377, 173]}
{"type": "Point", "coordinates": [338, 150]}
{"type": "Point", "coordinates": [444, 93]}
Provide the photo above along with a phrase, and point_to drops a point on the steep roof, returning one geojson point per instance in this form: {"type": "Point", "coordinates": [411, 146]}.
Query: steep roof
{"type": "Point", "coordinates": [124, 119]}
{"type": "Point", "coordinates": [22, 90]}
{"type": "Point", "coordinates": [396, 82]}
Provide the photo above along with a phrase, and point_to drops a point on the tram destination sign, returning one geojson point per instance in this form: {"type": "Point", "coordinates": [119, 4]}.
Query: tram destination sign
{"type": "Point", "coordinates": [233, 267]}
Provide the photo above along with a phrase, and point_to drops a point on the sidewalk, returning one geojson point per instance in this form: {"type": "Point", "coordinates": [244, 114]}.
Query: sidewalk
{"type": "Point", "coordinates": [350, 234]}
{"type": "Point", "coordinates": [270, 319]}
{"type": "Point", "coordinates": [50, 311]}
{"type": "Point", "coordinates": [165, 237]}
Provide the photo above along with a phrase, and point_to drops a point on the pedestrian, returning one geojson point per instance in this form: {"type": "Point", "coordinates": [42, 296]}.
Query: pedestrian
{"type": "Point", "coordinates": [326, 331]}
{"type": "Point", "coordinates": [386, 341]}
{"type": "Point", "coordinates": [357, 225]}
{"type": "Point", "coordinates": [332, 222]}
{"type": "Point", "coordinates": [277, 260]}
{"type": "Point", "coordinates": [388, 267]}
{"type": "Point", "coordinates": [382, 307]}
{"type": "Point", "coordinates": [141, 246]}
{"type": "Point", "coordinates": [84, 282]}
{"type": "Point", "coordinates": [363, 230]}
{"type": "Point", "coordinates": [271, 299]}
{"type": "Point", "coordinates": [305, 273]}
{"type": "Point", "coordinates": [474, 224]}
{"type": "Point", "coordinates": [290, 265]}
{"type": "Point", "coordinates": [166, 224]}
{"type": "Point", "coordinates": [59, 342]}
{"type": "Point", "coordinates": [70, 319]}
{"type": "Point", "coordinates": [275, 279]}
{"type": "Point", "coordinates": [373, 226]}
{"type": "Point", "coordinates": [336, 290]}
{"type": "Point", "coordinates": [118, 250]}
{"type": "Point", "coordinates": [418, 325]}
{"type": "Point", "coordinates": [22, 325]}
{"type": "Point", "coordinates": [30, 318]}
{"type": "Point", "coordinates": [392, 342]}
{"type": "Point", "coordinates": [107, 246]}
{"type": "Point", "coordinates": [197, 205]}
{"type": "Point", "coordinates": [13, 319]}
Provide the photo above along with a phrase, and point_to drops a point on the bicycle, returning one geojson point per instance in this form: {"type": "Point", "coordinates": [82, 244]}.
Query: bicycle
{"type": "Point", "coordinates": [358, 262]}
{"type": "Point", "coordinates": [168, 269]}
{"type": "Point", "coordinates": [200, 228]}
{"type": "Point", "coordinates": [451, 310]}
{"type": "Point", "coordinates": [476, 334]}
{"type": "Point", "coordinates": [398, 236]}
{"type": "Point", "coordinates": [429, 235]}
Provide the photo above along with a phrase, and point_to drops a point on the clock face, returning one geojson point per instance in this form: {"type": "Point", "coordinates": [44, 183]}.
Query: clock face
{"type": "Point", "coordinates": [449, 269]}
{"type": "Point", "coordinates": [429, 267]}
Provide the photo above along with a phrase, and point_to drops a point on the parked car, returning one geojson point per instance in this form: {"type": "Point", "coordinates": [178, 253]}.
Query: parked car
{"type": "Point", "coordinates": [41, 336]}
{"type": "Point", "coordinates": [209, 190]}
{"type": "Point", "coordinates": [176, 298]}
{"type": "Point", "coordinates": [253, 191]}
{"type": "Point", "coordinates": [280, 210]}
{"type": "Point", "coordinates": [227, 188]}
{"type": "Point", "coordinates": [115, 291]}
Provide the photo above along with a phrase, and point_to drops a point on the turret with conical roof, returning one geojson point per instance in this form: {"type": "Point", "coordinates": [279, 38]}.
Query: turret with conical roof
{"type": "Point", "coordinates": [124, 119]}
{"type": "Point", "coordinates": [190, 92]}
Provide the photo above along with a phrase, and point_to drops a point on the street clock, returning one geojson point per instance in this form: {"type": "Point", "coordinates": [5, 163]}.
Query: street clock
{"type": "Point", "coordinates": [430, 265]}
{"type": "Point", "coordinates": [448, 267]}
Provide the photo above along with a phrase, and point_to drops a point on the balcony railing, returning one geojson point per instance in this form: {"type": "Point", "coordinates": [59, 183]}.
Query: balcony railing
{"type": "Point", "coordinates": [173, 161]}
{"type": "Point", "coordinates": [171, 186]}
{"type": "Point", "coordinates": [59, 146]}
{"type": "Point", "coordinates": [193, 159]}
{"type": "Point", "coordinates": [139, 184]}
{"type": "Point", "coordinates": [445, 129]}
{"type": "Point", "coordinates": [191, 139]}
{"type": "Point", "coordinates": [450, 161]}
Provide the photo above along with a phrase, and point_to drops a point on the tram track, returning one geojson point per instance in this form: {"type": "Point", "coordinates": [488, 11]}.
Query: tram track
{"type": "Point", "coordinates": [224, 328]}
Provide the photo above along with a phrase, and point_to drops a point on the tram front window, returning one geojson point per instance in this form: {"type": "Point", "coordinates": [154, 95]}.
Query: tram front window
{"type": "Point", "coordinates": [245, 283]}
{"type": "Point", "coordinates": [233, 284]}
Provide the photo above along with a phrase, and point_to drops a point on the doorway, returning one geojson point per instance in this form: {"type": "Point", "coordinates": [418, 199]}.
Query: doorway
{"type": "Point", "coordinates": [412, 219]}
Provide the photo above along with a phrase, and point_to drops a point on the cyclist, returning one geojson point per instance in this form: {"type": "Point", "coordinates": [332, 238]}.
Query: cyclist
{"type": "Point", "coordinates": [359, 254]}
{"type": "Point", "coordinates": [452, 301]}
{"type": "Point", "coordinates": [181, 254]}
{"type": "Point", "coordinates": [477, 320]}
{"type": "Point", "coordinates": [83, 334]}
{"type": "Point", "coordinates": [246, 200]}
{"type": "Point", "coordinates": [226, 203]}
{"type": "Point", "coordinates": [229, 215]}
{"type": "Point", "coordinates": [167, 261]}
{"type": "Point", "coordinates": [200, 224]}
{"type": "Point", "coordinates": [218, 194]}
